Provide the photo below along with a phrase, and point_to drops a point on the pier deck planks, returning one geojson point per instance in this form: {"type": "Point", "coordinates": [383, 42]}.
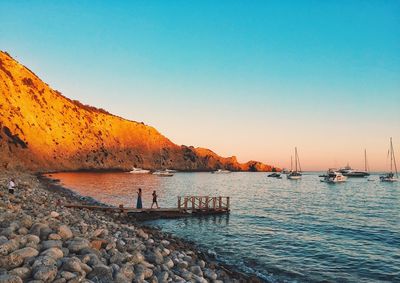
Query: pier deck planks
{"type": "Point", "coordinates": [188, 206]}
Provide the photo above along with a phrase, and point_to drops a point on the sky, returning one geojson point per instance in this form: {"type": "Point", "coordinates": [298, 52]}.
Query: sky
{"type": "Point", "coordinates": [252, 79]}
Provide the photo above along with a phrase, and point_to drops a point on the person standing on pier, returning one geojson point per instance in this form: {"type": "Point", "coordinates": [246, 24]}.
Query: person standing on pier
{"type": "Point", "coordinates": [154, 200]}
{"type": "Point", "coordinates": [139, 199]}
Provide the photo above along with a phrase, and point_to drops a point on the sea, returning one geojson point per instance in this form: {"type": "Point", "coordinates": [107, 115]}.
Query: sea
{"type": "Point", "coordinates": [278, 229]}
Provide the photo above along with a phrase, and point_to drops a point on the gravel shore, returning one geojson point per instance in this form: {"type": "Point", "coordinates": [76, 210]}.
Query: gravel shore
{"type": "Point", "coordinates": [42, 241]}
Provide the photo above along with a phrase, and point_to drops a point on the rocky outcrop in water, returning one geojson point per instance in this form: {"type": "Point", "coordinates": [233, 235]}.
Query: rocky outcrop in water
{"type": "Point", "coordinates": [42, 130]}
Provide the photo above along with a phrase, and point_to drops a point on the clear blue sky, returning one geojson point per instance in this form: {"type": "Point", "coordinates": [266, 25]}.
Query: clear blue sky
{"type": "Point", "coordinates": [245, 78]}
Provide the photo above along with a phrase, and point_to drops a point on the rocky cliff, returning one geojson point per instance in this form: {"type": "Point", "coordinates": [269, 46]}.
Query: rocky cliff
{"type": "Point", "coordinates": [42, 130]}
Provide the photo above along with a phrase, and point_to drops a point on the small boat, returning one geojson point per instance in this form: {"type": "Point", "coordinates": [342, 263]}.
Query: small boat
{"type": "Point", "coordinates": [163, 173]}
{"type": "Point", "coordinates": [391, 176]}
{"type": "Point", "coordinates": [139, 171]}
{"type": "Point", "coordinates": [285, 171]}
{"type": "Point", "coordinates": [333, 176]}
{"type": "Point", "coordinates": [296, 174]}
{"type": "Point", "coordinates": [275, 175]}
{"type": "Point", "coordinates": [220, 171]}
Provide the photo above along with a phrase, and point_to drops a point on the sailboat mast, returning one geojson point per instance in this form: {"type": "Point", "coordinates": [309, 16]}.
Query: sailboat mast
{"type": "Point", "coordinates": [298, 160]}
{"type": "Point", "coordinates": [393, 158]}
{"type": "Point", "coordinates": [295, 158]}
{"type": "Point", "coordinates": [291, 163]}
{"type": "Point", "coordinates": [365, 160]}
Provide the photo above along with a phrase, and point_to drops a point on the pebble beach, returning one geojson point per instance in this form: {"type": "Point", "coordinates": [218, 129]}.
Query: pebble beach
{"type": "Point", "coordinates": [42, 241]}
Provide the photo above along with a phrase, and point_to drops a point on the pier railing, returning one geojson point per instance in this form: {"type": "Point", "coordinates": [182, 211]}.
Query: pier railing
{"type": "Point", "coordinates": [194, 203]}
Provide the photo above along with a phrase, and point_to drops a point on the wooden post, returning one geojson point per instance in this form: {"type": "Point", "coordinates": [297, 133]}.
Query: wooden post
{"type": "Point", "coordinates": [193, 203]}
{"type": "Point", "coordinates": [179, 203]}
{"type": "Point", "coordinates": [227, 202]}
{"type": "Point", "coordinates": [220, 202]}
{"type": "Point", "coordinates": [207, 206]}
{"type": "Point", "coordinates": [214, 200]}
{"type": "Point", "coordinates": [186, 202]}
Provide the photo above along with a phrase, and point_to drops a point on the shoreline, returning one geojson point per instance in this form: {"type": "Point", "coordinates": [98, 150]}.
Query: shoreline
{"type": "Point", "coordinates": [54, 184]}
{"type": "Point", "coordinates": [161, 256]}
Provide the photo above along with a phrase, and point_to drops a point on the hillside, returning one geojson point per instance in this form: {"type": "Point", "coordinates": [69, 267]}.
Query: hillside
{"type": "Point", "coordinates": [42, 130]}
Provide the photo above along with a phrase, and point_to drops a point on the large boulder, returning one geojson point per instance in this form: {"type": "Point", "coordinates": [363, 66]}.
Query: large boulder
{"type": "Point", "coordinates": [26, 252]}
{"type": "Point", "coordinates": [72, 264]}
{"type": "Point", "coordinates": [101, 273]}
{"type": "Point", "coordinates": [11, 261]}
{"type": "Point", "coordinates": [9, 247]}
{"type": "Point", "coordinates": [10, 278]}
{"type": "Point", "coordinates": [55, 253]}
{"type": "Point", "coordinates": [78, 244]}
{"type": "Point", "coordinates": [46, 273]}
{"type": "Point", "coordinates": [22, 272]}
{"type": "Point", "coordinates": [51, 244]}
{"type": "Point", "coordinates": [41, 230]}
{"type": "Point", "coordinates": [65, 232]}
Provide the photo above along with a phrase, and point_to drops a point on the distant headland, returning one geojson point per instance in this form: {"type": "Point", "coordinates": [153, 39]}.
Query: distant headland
{"type": "Point", "coordinates": [42, 130]}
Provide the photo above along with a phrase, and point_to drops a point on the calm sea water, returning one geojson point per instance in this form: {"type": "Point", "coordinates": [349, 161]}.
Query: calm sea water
{"type": "Point", "coordinates": [282, 230]}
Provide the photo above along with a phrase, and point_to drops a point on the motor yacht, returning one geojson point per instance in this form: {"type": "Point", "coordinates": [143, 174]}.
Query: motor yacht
{"type": "Point", "coordinates": [139, 171]}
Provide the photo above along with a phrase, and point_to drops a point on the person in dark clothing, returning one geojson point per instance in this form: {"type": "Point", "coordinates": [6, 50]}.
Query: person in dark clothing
{"type": "Point", "coordinates": [154, 200]}
{"type": "Point", "coordinates": [139, 199]}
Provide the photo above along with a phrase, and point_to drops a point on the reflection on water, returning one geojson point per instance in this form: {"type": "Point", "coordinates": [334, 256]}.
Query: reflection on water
{"type": "Point", "coordinates": [303, 231]}
{"type": "Point", "coordinates": [205, 220]}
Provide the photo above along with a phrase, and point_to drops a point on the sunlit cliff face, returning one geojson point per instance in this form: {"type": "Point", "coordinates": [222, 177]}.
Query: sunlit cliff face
{"type": "Point", "coordinates": [40, 129]}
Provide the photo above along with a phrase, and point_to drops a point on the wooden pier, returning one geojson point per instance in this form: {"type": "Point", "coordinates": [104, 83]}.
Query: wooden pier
{"type": "Point", "coordinates": [187, 206]}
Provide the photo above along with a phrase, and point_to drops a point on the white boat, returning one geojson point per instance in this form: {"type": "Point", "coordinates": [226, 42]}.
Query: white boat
{"type": "Point", "coordinates": [220, 171]}
{"type": "Point", "coordinates": [296, 174]}
{"type": "Point", "coordinates": [333, 176]}
{"type": "Point", "coordinates": [391, 176]}
{"type": "Point", "coordinates": [350, 172]}
{"type": "Point", "coordinates": [163, 173]}
{"type": "Point", "coordinates": [139, 171]}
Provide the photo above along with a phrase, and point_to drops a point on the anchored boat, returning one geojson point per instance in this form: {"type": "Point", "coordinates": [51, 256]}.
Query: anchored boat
{"type": "Point", "coordinates": [139, 171]}
{"type": "Point", "coordinates": [275, 175]}
{"type": "Point", "coordinates": [296, 174]}
{"type": "Point", "coordinates": [349, 172]}
{"type": "Point", "coordinates": [391, 176]}
{"type": "Point", "coordinates": [163, 173]}
{"type": "Point", "coordinates": [333, 176]}
{"type": "Point", "coordinates": [220, 171]}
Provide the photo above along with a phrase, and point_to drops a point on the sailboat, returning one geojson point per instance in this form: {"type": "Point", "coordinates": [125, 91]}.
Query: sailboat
{"type": "Point", "coordinates": [391, 176]}
{"type": "Point", "coordinates": [296, 174]}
